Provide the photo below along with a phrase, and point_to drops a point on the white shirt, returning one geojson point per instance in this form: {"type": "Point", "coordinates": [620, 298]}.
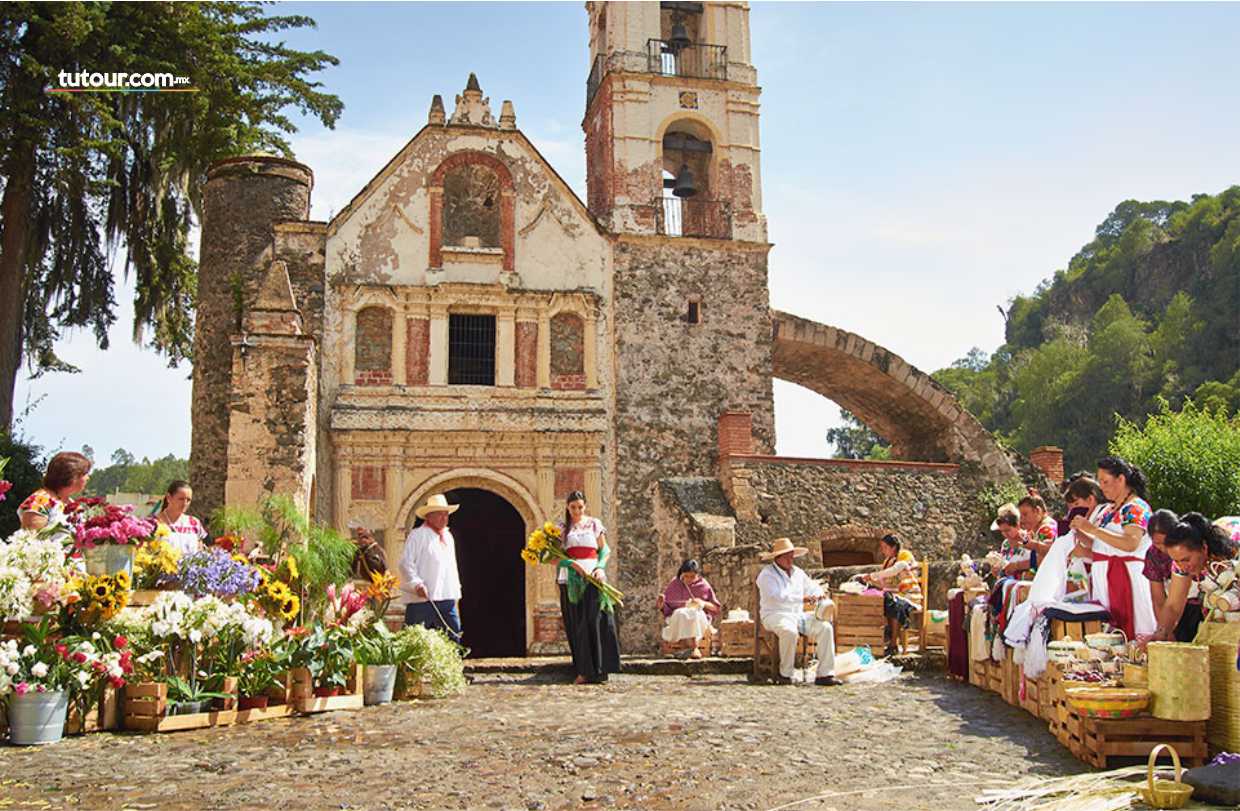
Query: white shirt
{"type": "Point", "coordinates": [584, 533]}
{"type": "Point", "coordinates": [782, 593]}
{"type": "Point", "coordinates": [429, 561]}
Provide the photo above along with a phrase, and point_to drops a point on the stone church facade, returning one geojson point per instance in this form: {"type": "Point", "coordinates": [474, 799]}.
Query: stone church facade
{"type": "Point", "coordinates": [468, 325]}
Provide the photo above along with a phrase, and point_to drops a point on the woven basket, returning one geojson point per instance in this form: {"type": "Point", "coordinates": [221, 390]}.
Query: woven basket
{"type": "Point", "coordinates": [1179, 681]}
{"type": "Point", "coordinates": [1223, 638]}
{"type": "Point", "coordinates": [1136, 675]}
{"type": "Point", "coordinates": [1165, 793]}
{"type": "Point", "coordinates": [1108, 702]}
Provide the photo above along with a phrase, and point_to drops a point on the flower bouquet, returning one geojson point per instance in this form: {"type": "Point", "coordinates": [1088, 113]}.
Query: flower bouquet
{"type": "Point", "coordinates": [545, 545]}
{"type": "Point", "coordinates": [217, 573]}
{"type": "Point", "coordinates": [34, 575]}
{"type": "Point", "coordinates": [107, 534]}
{"type": "Point", "coordinates": [156, 561]}
{"type": "Point", "coordinates": [275, 597]}
{"type": "Point", "coordinates": [101, 598]}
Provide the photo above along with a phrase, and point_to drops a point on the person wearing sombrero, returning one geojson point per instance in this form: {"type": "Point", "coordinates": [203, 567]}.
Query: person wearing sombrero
{"type": "Point", "coordinates": [430, 582]}
{"type": "Point", "coordinates": [783, 588]}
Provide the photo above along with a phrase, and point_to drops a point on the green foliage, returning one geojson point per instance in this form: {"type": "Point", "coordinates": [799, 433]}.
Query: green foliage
{"type": "Point", "coordinates": [88, 172]}
{"type": "Point", "coordinates": [323, 556]}
{"type": "Point", "coordinates": [1190, 457]}
{"type": "Point", "coordinates": [25, 471]}
{"type": "Point", "coordinates": [429, 656]}
{"type": "Point", "coordinates": [994, 496]}
{"type": "Point", "coordinates": [126, 475]}
{"type": "Point", "coordinates": [377, 645]}
{"type": "Point", "coordinates": [853, 440]}
{"type": "Point", "coordinates": [1145, 311]}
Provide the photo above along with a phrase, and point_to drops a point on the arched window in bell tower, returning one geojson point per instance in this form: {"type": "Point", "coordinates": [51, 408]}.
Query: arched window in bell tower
{"type": "Point", "coordinates": [687, 200]}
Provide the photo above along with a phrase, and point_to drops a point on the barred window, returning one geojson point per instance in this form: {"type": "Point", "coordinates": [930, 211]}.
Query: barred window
{"type": "Point", "coordinates": [471, 350]}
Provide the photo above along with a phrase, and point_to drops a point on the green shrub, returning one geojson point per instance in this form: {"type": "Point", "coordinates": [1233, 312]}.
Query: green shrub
{"type": "Point", "coordinates": [1190, 457]}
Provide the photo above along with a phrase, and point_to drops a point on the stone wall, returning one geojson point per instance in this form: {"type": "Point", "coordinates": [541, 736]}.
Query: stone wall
{"type": "Point", "coordinates": [674, 379]}
{"type": "Point", "coordinates": [242, 199]}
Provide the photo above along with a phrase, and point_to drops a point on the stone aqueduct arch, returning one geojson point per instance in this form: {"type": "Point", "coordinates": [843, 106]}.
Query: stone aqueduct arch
{"type": "Point", "coordinates": [920, 418]}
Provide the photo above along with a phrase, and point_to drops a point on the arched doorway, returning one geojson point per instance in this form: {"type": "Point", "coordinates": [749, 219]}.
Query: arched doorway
{"type": "Point", "coordinates": [489, 534]}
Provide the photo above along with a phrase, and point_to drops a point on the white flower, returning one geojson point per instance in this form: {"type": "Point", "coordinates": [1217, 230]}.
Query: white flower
{"type": "Point", "coordinates": [95, 635]}
{"type": "Point", "coordinates": [83, 678]}
{"type": "Point", "coordinates": [39, 670]}
{"type": "Point", "coordinates": [12, 669]}
{"type": "Point", "coordinates": [29, 650]}
{"type": "Point", "coordinates": [195, 636]}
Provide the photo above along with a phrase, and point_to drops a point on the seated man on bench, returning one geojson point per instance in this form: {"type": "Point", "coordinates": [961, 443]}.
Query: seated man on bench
{"type": "Point", "coordinates": [783, 588]}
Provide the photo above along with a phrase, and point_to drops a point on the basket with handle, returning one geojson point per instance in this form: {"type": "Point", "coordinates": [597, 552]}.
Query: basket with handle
{"type": "Point", "coordinates": [1165, 793]}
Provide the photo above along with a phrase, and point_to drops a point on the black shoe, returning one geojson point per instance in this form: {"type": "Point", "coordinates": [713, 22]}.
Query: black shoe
{"type": "Point", "coordinates": [782, 680]}
{"type": "Point", "coordinates": [892, 650]}
{"type": "Point", "coordinates": [827, 681]}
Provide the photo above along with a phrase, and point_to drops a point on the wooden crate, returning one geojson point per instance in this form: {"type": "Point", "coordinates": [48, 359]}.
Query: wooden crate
{"type": "Point", "coordinates": [264, 714]}
{"type": "Point", "coordinates": [859, 621]}
{"type": "Point", "coordinates": [979, 675]}
{"type": "Point", "coordinates": [705, 644]}
{"type": "Point", "coordinates": [1030, 702]}
{"type": "Point", "coordinates": [102, 715]}
{"type": "Point", "coordinates": [994, 676]}
{"type": "Point", "coordinates": [736, 638]}
{"type": "Point", "coordinates": [304, 700]}
{"type": "Point", "coordinates": [142, 597]}
{"type": "Point", "coordinates": [1104, 739]}
{"type": "Point", "coordinates": [145, 707]}
{"type": "Point", "coordinates": [1062, 629]}
{"type": "Point", "coordinates": [1011, 679]}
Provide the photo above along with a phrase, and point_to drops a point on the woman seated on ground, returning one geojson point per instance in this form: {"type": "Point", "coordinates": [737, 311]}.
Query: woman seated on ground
{"type": "Point", "coordinates": [65, 477]}
{"type": "Point", "coordinates": [1192, 544]}
{"type": "Point", "coordinates": [187, 533]}
{"type": "Point", "coordinates": [1118, 542]}
{"type": "Point", "coordinates": [900, 580]}
{"type": "Point", "coordinates": [1158, 563]}
{"type": "Point", "coordinates": [688, 605]}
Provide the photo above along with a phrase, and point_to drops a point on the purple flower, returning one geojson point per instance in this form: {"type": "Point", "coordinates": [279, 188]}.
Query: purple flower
{"type": "Point", "coordinates": [214, 572]}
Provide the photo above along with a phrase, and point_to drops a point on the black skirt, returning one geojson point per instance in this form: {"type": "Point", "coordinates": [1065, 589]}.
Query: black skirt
{"type": "Point", "coordinates": [591, 635]}
{"type": "Point", "coordinates": [1186, 629]}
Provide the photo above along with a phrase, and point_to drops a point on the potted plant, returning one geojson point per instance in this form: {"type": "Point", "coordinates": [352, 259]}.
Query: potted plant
{"type": "Point", "coordinates": [376, 648]}
{"type": "Point", "coordinates": [188, 696]}
{"type": "Point", "coordinates": [261, 672]}
{"type": "Point", "coordinates": [428, 663]}
{"type": "Point", "coordinates": [108, 535]}
{"type": "Point", "coordinates": [156, 562]}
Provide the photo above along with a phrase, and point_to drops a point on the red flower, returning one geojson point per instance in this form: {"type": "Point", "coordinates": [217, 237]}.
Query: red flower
{"type": "Point", "coordinates": [79, 657]}
{"type": "Point", "coordinates": [98, 666]}
{"type": "Point", "coordinates": [117, 682]}
{"type": "Point", "coordinates": [62, 650]}
{"type": "Point", "coordinates": [120, 642]}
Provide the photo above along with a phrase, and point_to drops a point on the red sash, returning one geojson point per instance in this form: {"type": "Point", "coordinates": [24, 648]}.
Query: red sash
{"type": "Point", "coordinates": [1119, 590]}
{"type": "Point", "coordinates": [582, 552]}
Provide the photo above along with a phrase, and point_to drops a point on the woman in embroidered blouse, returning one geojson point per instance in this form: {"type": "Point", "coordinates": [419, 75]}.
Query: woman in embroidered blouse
{"type": "Point", "coordinates": [1158, 563]}
{"type": "Point", "coordinates": [66, 476]}
{"type": "Point", "coordinates": [1119, 544]}
{"type": "Point", "coordinates": [588, 620]}
{"type": "Point", "coordinates": [187, 531]}
{"type": "Point", "coordinates": [688, 604]}
{"type": "Point", "coordinates": [1041, 528]}
{"type": "Point", "coordinates": [900, 580]}
{"type": "Point", "coordinates": [1192, 544]}
{"type": "Point", "coordinates": [1017, 559]}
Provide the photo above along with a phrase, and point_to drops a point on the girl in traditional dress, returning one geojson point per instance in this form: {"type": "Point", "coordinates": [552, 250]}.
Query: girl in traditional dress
{"type": "Point", "coordinates": [187, 533]}
{"type": "Point", "coordinates": [589, 617]}
{"type": "Point", "coordinates": [1118, 543]}
{"type": "Point", "coordinates": [900, 580]}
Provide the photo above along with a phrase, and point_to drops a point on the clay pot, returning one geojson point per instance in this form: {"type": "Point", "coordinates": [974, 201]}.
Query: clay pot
{"type": "Point", "coordinates": [252, 703]}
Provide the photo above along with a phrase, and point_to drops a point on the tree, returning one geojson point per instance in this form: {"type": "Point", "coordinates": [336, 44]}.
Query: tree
{"type": "Point", "coordinates": [87, 173]}
{"type": "Point", "coordinates": [853, 440]}
{"type": "Point", "coordinates": [25, 471]}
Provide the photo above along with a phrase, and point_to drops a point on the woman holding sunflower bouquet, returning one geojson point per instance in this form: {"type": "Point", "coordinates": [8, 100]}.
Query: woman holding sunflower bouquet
{"type": "Point", "coordinates": [587, 601]}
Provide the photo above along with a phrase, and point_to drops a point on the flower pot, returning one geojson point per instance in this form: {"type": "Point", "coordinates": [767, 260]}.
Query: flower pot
{"type": "Point", "coordinates": [36, 718]}
{"type": "Point", "coordinates": [326, 692]}
{"type": "Point", "coordinates": [109, 558]}
{"type": "Point", "coordinates": [252, 703]}
{"type": "Point", "coordinates": [378, 684]}
{"type": "Point", "coordinates": [186, 707]}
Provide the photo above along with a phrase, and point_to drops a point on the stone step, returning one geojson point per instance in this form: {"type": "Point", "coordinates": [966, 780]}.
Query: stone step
{"type": "Point", "coordinates": [934, 660]}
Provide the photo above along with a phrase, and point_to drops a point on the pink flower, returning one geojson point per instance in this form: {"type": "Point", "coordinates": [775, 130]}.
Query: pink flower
{"type": "Point", "coordinates": [62, 650]}
{"type": "Point", "coordinates": [120, 641]}
{"type": "Point", "coordinates": [21, 688]}
{"type": "Point", "coordinates": [117, 682]}
{"type": "Point", "coordinates": [79, 657]}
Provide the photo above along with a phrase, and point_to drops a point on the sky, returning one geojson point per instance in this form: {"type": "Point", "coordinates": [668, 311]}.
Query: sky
{"type": "Point", "coordinates": [921, 163]}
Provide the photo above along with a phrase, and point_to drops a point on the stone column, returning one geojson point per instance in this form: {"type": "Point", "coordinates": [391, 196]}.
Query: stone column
{"type": "Point", "coordinates": [242, 199]}
{"type": "Point", "coordinates": [505, 347]}
{"type": "Point", "coordinates": [439, 345]}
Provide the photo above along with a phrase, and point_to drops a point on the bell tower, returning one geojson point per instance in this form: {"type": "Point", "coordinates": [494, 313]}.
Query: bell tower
{"type": "Point", "coordinates": [672, 168]}
{"type": "Point", "coordinates": [671, 120]}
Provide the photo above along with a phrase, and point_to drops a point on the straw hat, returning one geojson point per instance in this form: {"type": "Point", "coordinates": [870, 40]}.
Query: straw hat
{"type": "Point", "coordinates": [436, 504]}
{"type": "Point", "coordinates": [783, 546]}
{"type": "Point", "coordinates": [1006, 509]}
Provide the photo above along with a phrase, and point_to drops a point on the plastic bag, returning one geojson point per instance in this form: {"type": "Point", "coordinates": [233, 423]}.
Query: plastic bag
{"type": "Point", "coordinates": [877, 673]}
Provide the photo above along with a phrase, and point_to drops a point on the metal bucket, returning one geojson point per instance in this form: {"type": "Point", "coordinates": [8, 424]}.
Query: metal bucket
{"type": "Point", "coordinates": [378, 683]}
{"type": "Point", "coordinates": [36, 718]}
{"type": "Point", "coordinates": [109, 558]}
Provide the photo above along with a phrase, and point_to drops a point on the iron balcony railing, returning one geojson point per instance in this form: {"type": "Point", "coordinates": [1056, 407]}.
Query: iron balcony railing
{"type": "Point", "coordinates": [696, 61]}
{"type": "Point", "coordinates": [693, 217]}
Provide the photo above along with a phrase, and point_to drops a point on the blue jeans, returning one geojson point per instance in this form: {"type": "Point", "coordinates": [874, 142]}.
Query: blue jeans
{"type": "Point", "coordinates": [424, 614]}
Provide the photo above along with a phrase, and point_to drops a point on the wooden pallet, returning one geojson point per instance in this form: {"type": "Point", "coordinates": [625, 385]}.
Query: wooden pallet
{"type": "Point", "coordinates": [304, 700]}
{"type": "Point", "coordinates": [145, 707]}
{"type": "Point", "coordinates": [977, 672]}
{"type": "Point", "coordinates": [264, 713]}
{"type": "Point", "coordinates": [1103, 739]}
{"type": "Point", "coordinates": [736, 638]}
{"type": "Point", "coordinates": [1062, 629]}
{"type": "Point", "coordinates": [859, 621]}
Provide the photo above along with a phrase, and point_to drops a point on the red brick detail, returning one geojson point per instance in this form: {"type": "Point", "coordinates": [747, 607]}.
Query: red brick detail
{"type": "Point", "coordinates": [372, 346]}
{"type": "Point", "coordinates": [600, 148]}
{"type": "Point", "coordinates": [1049, 460]}
{"type": "Point", "coordinates": [369, 483]}
{"type": "Point", "coordinates": [735, 433]}
{"type": "Point", "coordinates": [568, 479]}
{"type": "Point", "coordinates": [527, 355]}
{"type": "Point", "coordinates": [507, 204]}
{"type": "Point", "coordinates": [548, 627]}
{"type": "Point", "coordinates": [568, 382]}
{"type": "Point", "coordinates": [378, 378]}
{"type": "Point", "coordinates": [417, 351]}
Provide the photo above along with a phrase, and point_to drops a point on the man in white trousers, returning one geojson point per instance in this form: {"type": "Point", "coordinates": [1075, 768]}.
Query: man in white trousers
{"type": "Point", "coordinates": [783, 588]}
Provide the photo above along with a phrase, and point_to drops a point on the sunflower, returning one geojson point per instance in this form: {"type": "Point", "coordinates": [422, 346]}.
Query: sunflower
{"type": "Point", "coordinates": [550, 529]}
{"type": "Point", "coordinates": [122, 580]}
{"type": "Point", "coordinates": [538, 542]}
{"type": "Point", "coordinates": [529, 556]}
{"type": "Point", "coordinates": [278, 591]}
{"type": "Point", "coordinates": [101, 589]}
{"type": "Point", "coordinates": [292, 568]}
{"type": "Point", "coordinates": [289, 607]}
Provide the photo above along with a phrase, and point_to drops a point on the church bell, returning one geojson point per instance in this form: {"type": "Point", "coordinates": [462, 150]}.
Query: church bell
{"type": "Point", "coordinates": [685, 186]}
{"type": "Point", "coordinates": [680, 37]}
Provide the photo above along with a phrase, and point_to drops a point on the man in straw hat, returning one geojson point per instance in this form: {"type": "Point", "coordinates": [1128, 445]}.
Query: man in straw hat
{"type": "Point", "coordinates": [429, 578]}
{"type": "Point", "coordinates": [783, 588]}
